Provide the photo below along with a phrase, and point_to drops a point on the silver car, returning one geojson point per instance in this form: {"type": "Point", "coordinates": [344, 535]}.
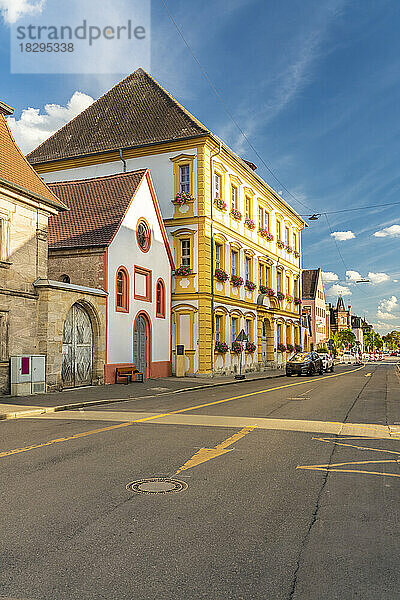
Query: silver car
{"type": "Point", "coordinates": [327, 361]}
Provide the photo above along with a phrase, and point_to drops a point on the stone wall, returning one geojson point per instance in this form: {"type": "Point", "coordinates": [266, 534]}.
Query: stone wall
{"type": "Point", "coordinates": [83, 266]}
{"type": "Point", "coordinates": [53, 307]}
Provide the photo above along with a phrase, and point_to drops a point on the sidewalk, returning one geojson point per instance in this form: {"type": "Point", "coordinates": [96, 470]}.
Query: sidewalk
{"type": "Point", "coordinates": [12, 407]}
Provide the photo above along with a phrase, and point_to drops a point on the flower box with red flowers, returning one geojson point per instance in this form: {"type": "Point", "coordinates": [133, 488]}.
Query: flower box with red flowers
{"type": "Point", "coordinates": [236, 281]}
{"type": "Point", "coordinates": [266, 290]}
{"type": "Point", "coordinates": [281, 348]}
{"type": "Point", "coordinates": [297, 347]}
{"type": "Point", "coordinates": [250, 285]}
{"type": "Point", "coordinates": [280, 296]}
{"type": "Point", "coordinates": [265, 234]}
{"type": "Point", "coordinates": [221, 275]}
{"type": "Point", "coordinates": [297, 301]}
{"type": "Point", "coordinates": [221, 347]}
{"type": "Point", "coordinates": [289, 298]}
{"type": "Point", "coordinates": [184, 271]}
{"type": "Point", "coordinates": [236, 347]}
{"type": "Point", "coordinates": [236, 214]}
{"type": "Point", "coordinates": [183, 198]}
{"type": "Point", "coordinates": [249, 223]}
{"type": "Point", "coordinates": [280, 244]}
{"type": "Point", "coordinates": [296, 254]}
{"type": "Point", "coordinates": [289, 347]}
{"type": "Point", "coordinates": [250, 347]}
{"type": "Point", "coordinates": [220, 204]}
{"type": "Point", "coordinates": [289, 249]}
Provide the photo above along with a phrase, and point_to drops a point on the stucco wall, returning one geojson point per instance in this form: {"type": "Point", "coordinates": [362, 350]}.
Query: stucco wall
{"type": "Point", "coordinates": [124, 251]}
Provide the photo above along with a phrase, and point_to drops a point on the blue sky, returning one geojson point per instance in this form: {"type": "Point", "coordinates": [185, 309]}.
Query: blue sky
{"type": "Point", "coordinates": [315, 84]}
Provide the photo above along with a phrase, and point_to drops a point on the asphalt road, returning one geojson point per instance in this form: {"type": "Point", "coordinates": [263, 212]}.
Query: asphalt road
{"type": "Point", "coordinates": [250, 525]}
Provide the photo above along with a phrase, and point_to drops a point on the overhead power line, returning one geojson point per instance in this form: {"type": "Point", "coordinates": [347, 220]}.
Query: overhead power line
{"type": "Point", "coordinates": [334, 212]}
{"type": "Point", "coordinates": [227, 111]}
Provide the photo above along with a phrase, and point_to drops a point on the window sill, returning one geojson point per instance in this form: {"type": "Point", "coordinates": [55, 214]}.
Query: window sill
{"type": "Point", "coordinates": [5, 264]}
{"type": "Point", "coordinates": [122, 310]}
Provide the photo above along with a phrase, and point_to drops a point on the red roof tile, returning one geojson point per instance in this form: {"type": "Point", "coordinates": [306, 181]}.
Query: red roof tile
{"type": "Point", "coordinates": [97, 207]}
{"type": "Point", "coordinates": [15, 169]}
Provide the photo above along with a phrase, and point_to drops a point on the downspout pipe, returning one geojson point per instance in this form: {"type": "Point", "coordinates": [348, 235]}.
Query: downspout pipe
{"type": "Point", "coordinates": [212, 156]}
{"type": "Point", "coordinates": [123, 160]}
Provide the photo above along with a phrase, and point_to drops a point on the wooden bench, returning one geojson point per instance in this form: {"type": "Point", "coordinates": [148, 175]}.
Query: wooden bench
{"type": "Point", "coordinates": [128, 373]}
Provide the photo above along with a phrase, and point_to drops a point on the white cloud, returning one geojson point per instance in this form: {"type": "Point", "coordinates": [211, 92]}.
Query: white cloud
{"type": "Point", "coordinates": [33, 128]}
{"type": "Point", "coordinates": [388, 304]}
{"type": "Point", "coordinates": [378, 277]}
{"type": "Point", "coordinates": [328, 276]}
{"type": "Point", "coordinates": [342, 236]}
{"type": "Point", "coordinates": [385, 316]}
{"type": "Point", "coordinates": [393, 231]}
{"type": "Point", "coordinates": [339, 290]}
{"type": "Point", "coordinates": [353, 276]}
{"type": "Point", "coordinates": [12, 10]}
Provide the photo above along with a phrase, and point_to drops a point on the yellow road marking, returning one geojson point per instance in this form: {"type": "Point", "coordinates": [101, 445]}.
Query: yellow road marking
{"type": "Point", "coordinates": [205, 454]}
{"type": "Point", "coordinates": [331, 467]}
{"type": "Point", "coordinates": [368, 374]}
{"type": "Point", "coordinates": [158, 416]}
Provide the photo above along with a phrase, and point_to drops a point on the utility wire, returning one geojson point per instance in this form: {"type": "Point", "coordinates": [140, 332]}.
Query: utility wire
{"type": "Point", "coordinates": [225, 107]}
{"type": "Point", "coordinates": [334, 212]}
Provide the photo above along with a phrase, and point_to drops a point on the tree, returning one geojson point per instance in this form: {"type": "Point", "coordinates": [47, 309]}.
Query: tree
{"type": "Point", "coordinates": [369, 340]}
{"type": "Point", "coordinates": [346, 337]}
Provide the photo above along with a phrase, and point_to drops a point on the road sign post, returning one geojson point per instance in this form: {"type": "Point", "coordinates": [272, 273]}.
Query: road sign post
{"type": "Point", "coordinates": [242, 337]}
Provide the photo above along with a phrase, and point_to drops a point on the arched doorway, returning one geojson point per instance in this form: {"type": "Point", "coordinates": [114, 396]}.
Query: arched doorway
{"type": "Point", "coordinates": [77, 348]}
{"type": "Point", "coordinates": [141, 344]}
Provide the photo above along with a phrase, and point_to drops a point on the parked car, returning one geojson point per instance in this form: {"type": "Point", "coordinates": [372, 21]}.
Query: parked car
{"type": "Point", "coordinates": [393, 354]}
{"type": "Point", "coordinates": [327, 361]}
{"type": "Point", "coordinates": [304, 363]}
{"type": "Point", "coordinates": [348, 357]}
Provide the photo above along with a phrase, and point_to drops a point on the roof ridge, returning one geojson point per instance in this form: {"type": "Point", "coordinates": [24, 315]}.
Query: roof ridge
{"type": "Point", "coordinates": [81, 113]}
{"type": "Point", "coordinates": [73, 181]}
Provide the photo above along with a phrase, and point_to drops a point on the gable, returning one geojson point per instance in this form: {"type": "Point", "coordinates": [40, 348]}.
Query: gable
{"type": "Point", "coordinates": [135, 112]}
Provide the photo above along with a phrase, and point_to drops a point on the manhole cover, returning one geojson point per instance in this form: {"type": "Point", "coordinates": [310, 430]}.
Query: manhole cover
{"type": "Point", "coordinates": [157, 485]}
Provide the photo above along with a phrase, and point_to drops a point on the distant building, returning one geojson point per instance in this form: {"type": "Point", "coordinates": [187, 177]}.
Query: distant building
{"type": "Point", "coordinates": [314, 305]}
{"type": "Point", "coordinates": [357, 329]}
{"type": "Point", "coordinates": [340, 317]}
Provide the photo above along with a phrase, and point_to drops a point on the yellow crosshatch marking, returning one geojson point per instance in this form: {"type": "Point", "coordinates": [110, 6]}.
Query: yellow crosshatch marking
{"type": "Point", "coordinates": [332, 466]}
{"type": "Point", "coordinates": [158, 416]}
{"type": "Point", "coordinates": [205, 454]}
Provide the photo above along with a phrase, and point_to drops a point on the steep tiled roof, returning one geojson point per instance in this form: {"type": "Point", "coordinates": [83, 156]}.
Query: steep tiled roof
{"type": "Point", "coordinates": [97, 207]}
{"type": "Point", "coordinates": [15, 169]}
{"type": "Point", "coordinates": [309, 280]}
{"type": "Point", "coordinates": [135, 112]}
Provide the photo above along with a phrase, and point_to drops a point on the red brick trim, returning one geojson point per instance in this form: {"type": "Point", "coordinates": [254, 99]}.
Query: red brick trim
{"type": "Point", "coordinates": [148, 242]}
{"type": "Point", "coordinates": [161, 315]}
{"type": "Point", "coordinates": [149, 337]}
{"type": "Point", "coordinates": [148, 275]}
{"type": "Point", "coordinates": [125, 290]}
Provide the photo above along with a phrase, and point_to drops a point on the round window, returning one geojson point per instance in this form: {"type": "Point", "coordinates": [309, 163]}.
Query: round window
{"type": "Point", "coordinates": [143, 235]}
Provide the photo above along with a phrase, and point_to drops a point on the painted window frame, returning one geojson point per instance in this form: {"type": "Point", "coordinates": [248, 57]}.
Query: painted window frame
{"type": "Point", "coordinates": [248, 273]}
{"type": "Point", "coordinates": [234, 197]}
{"type": "Point", "coordinates": [235, 262]}
{"type": "Point", "coordinates": [148, 274]}
{"type": "Point", "coordinates": [147, 246]}
{"type": "Point", "coordinates": [248, 207]}
{"type": "Point", "coordinates": [184, 183]}
{"type": "Point", "coordinates": [183, 160]}
{"type": "Point", "coordinates": [186, 256]}
{"type": "Point", "coordinates": [125, 290]}
{"type": "Point", "coordinates": [278, 230]}
{"type": "Point", "coordinates": [219, 264]}
{"type": "Point", "coordinates": [161, 314]}
{"type": "Point", "coordinates": [235, 319]}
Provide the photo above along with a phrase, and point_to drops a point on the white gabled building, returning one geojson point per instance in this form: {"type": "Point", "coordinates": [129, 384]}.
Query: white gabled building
{"type": "Point", "coordinates": [113, 238]}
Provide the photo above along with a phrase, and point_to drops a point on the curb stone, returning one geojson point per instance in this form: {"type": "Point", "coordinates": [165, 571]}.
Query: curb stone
{"type": "Point", "coordinates": [75, 405]}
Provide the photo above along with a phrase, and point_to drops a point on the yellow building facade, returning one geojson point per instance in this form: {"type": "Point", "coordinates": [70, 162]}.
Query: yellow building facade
{"type": "Point", "coordinates": [236, 243]}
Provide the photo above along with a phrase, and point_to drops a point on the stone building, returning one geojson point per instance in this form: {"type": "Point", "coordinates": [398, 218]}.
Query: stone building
{"type": "Point", "coordinates": [33, 308]}
{"type": "Point", "coordinates": [340, 317]}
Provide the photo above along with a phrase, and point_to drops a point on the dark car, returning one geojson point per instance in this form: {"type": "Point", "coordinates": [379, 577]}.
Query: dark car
{"type": "Point", "coordinates": [304, 363]}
